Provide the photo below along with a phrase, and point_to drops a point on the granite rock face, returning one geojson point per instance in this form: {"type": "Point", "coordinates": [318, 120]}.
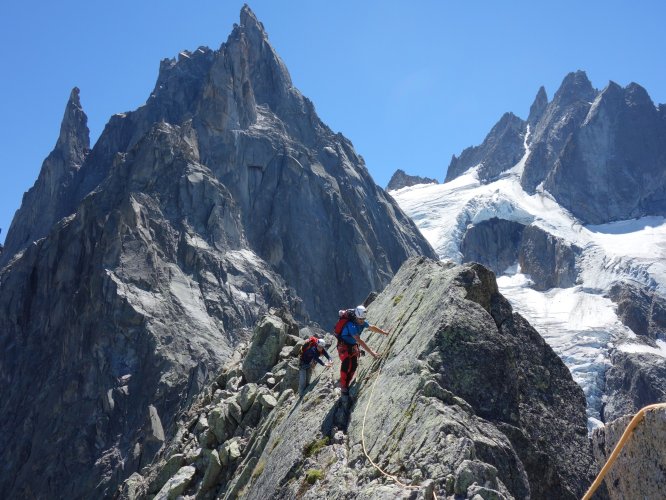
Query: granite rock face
{"type": "Point", "coordinates": [499, 244]}
{"type": "Point", "coordinates": [638, 471]}
{"type": "Point", "coordinates": [433, 410]}
{"type": "Point", "coordinates": [400, 180]}
{"type": "Point", "coordinates": [495, 243]}
{"type": "Point", "coordinates": [133, 271]}
{"type": "Point", "coordinates": [641, 309]}
{"type": "Point", "coordinates": [601, 154]}
{"type": "Point", "coordinates": [550, 261]}
{"type": "Point", "coordinates": [633, 381]}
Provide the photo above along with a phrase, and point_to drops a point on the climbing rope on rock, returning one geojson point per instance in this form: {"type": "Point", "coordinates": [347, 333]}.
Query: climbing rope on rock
{"type": "Point", "coordinates": [365, 452]}
{"type": "Point", "coordinates": [638, 418]}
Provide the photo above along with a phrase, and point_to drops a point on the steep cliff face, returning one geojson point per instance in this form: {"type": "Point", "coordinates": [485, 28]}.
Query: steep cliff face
{"type": "Point", "coordinates": [124, 307]}
{"type": "Point", "coordinates": [466, 399]}
{"type": "Point", "coordinates": [612, 166]}
{"type": "Point", "coordinates": [133, 270]}
{"type": "Point", "coordinates": [499, 244]}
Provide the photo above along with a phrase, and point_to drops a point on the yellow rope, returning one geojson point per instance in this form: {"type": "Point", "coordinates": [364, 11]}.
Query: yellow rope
{"type": "Point", "coordinates": [390, 476]}
{"type": "Point", "coordinates": [638, 418]}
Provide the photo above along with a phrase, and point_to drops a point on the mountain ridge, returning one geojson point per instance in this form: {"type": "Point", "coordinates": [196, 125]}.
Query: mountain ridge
{"type": "Point", "coordinates": [191, 217]}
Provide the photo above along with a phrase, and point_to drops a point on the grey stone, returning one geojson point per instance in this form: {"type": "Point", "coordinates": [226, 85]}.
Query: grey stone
{"type": "Point", "coordinates": [233, 450]}
{"type": "Point", "coordinates": [208, 439]}
{"type": "Point", "coordinates": [538, 107]}
{"type": "Point", "coordinates": [193, 455]}
{"type": "Point", "coordinates": [219, 423]}
{"type": "Point", "coordinates": [213, 470]}
{"type": "Point", "coordinates": [234, 383]}
{"type": "Point", "coordinates": [499, 244]}
{"type": "Point", "coordinates": [134, 487]}
{"type": "Point", "coordinates": [172, 465]}
{"type": "Point", "coordinates": [495, 243]}
{"type": "Point", "coordinates": [470, 472]}
{"type": "Point", "coordinates": [267, 401]}
{"type": "Point", "coordinates": [246, 396]}
{"type": "Point", "coordinates": [633, 380]}
{"type": "Point", "coordinates": [640, 308]}
{"type": "Point", "coordinates": [175, 486]}
{"type": "Point", "coordinates": [550, 261]}
{"type": "Point", "coordinates": [267, 341]}
{"type": "Point", "coordinates": [235, 411]}
{"type": "Point", "coordinates": [638, 471]}
{"type": "Point", "coordinates": [400, 180]}
{"type": "Point", "coordinates": [46, 202]}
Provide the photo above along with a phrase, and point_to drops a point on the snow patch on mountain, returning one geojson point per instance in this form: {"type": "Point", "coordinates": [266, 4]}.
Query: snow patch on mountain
{"type": "Point", "coordinates": [580, 323]}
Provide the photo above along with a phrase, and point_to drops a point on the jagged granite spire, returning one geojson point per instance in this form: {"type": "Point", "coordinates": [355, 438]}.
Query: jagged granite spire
{"type": "Point", "coordinates": [43, 204]}
{"type": "Point", "coordinates": [538, 107]}
{"type": "Point", "coordinates": [74, 138]}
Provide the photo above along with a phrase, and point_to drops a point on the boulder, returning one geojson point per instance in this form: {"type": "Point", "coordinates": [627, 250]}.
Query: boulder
{"type": "Point", "coordinates": [639, 469]}
{"type": "Point", "coordinates": [267, 342]}
{"type": "Point", "coordinates": [633, 380]}
{"type": "Point", "coordinates": [175, 486]}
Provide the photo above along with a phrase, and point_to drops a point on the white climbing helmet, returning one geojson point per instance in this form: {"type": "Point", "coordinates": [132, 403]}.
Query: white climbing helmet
{"type": "Point", "coordinates": [321, 343]}
{"type": "Point", "coordinates": [360, 311]}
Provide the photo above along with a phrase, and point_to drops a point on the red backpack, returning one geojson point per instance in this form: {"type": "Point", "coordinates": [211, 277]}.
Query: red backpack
{"type": "Point", "coordinates": [345, 316]}
{"type": "Point", "coordinates": [312, 341]}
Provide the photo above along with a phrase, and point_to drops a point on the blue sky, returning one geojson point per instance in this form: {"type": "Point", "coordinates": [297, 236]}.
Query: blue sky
{"type": "Point", "coordinates": [409, 83]}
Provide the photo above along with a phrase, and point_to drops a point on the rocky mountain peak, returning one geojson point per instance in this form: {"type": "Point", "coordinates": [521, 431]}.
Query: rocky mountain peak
{"type": "Point", "coordinates": [599, 153]}
{"type": "Point", "coordinates": [74, 138]}
{"type": "Point", "coordinates": [43, 204]}
{"type": "Point", "coordinates": [575, 87]}
{"type": "Point", "coordinates": [400, 179]}
{"type": "Point", "coordinates": [636, 96]}
{"type": "Point", "coordinates": [249, 21]}
{"type": "Point", "coordinates": [220, 199]}
{"type": "Point", "coordinates": [538, 106]}
{"type": "Point", "coordinates": [501, 149]}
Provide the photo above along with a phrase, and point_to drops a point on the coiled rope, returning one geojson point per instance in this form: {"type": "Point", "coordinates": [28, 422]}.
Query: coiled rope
{"type": "Point", "coordinates": [638, 418]}
{"type": "Point", "coordinates": [390, 476]}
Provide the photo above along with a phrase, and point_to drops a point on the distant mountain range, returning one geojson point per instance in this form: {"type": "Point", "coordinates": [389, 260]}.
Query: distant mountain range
{"type": "Point", "coordinates": [600, 154]}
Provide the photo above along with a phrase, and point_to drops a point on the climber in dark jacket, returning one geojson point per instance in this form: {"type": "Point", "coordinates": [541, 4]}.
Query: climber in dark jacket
{"type": "Point", "coordinates": [310, 356]}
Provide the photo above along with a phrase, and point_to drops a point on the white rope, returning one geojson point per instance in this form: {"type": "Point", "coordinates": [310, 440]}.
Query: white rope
{"type": "Point", "coordinates": [390, 476]}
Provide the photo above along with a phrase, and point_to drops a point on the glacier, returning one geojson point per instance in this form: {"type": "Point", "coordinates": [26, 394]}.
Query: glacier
{"type": "Point", "coordinates": [580, 323]}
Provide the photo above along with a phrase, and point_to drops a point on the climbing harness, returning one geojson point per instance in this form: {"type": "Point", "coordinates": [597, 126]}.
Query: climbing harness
{"type": "Point", "coordinates": [638, 418]}
{"type": "Point", "coordinates": [365, 452]}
